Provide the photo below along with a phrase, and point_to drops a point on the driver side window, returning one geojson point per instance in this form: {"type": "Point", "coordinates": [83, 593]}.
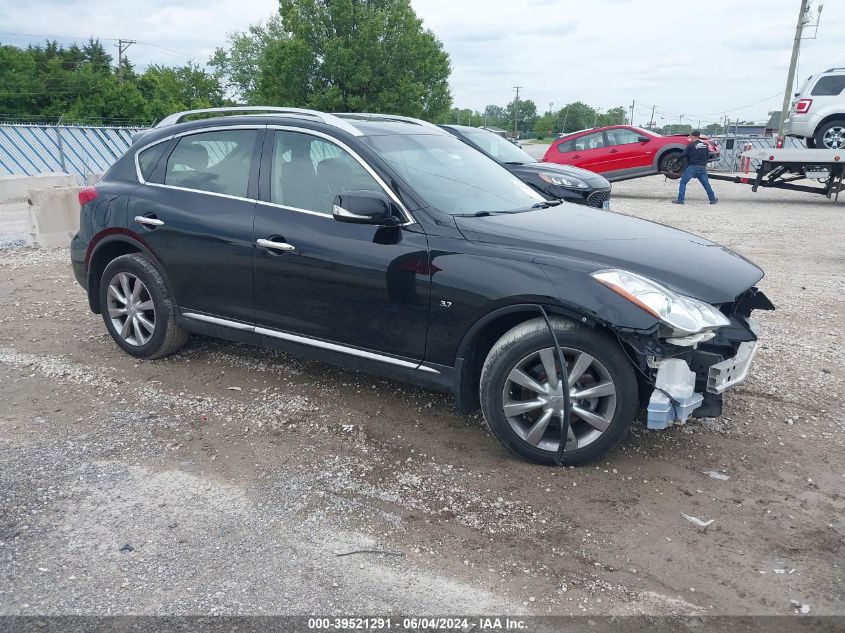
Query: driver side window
{"type": "Point", "coordinates": [307, 172]}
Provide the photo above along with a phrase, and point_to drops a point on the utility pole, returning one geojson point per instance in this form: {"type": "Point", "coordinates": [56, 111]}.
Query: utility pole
{"type": "Point", "coordinates": [515, 112]}
{"type": "Point", "coordinates": [633, 103]}
{"type": "Point", "coordinates": [651, 120]}
{"type": "Point", "coordinates": [790, 77]}
{"type": "Point", "coordinates": [122, 45]}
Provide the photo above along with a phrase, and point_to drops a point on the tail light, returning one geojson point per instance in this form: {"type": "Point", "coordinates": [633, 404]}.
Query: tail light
{"type": "Point", "coordinates": [86, 195]}
{"type": "Point", "coordinates": [803, 106]}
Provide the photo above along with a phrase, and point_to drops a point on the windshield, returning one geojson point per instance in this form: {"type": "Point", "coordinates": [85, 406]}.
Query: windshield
{"type": "Point", "coordinates": [501, 149]}
{"type": "Point", "coordinates": [452, 176]}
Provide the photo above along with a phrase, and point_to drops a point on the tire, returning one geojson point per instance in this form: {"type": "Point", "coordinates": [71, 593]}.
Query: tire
{"type": "Point", "coordinates": [831, 135]}
{"type": "Point", "coordinates": [810, 142]}
{"type": "Point", "coordinates": [524, 347]}
{"type": "Point", "coordinates": [672, 165]}
{"type": "Point", "coordinates": [153, 306]}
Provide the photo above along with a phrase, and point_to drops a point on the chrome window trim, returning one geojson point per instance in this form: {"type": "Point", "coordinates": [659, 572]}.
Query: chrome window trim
{"type": "Point", "coordinates": [409, 219]}
{"type": "Point", "coordinates": [207, 193]}
{"type": "Point", "coordinates": [216, 128]}
{"type": "Point", "coordinates": [304, 340]}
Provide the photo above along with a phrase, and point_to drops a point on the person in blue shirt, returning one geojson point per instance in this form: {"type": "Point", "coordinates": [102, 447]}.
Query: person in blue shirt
{"type": "Point", "coordinates": [697, 154]}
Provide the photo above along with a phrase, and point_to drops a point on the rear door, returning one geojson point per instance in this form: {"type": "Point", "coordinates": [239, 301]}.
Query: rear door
{"type": "Point", "coordinates": [196, 211]}
{"type": "Point", "coordinates": [351, 288]}
{"type": "Point", "coordinates": [586, 151]}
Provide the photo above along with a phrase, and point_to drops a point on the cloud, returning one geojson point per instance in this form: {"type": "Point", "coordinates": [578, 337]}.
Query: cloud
{"type": "Point", "coordinates": [719, 56]}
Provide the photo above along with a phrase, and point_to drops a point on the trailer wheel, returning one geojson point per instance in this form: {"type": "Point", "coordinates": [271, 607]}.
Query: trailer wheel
{"type": "Point", "coordinates": [672, 165]}
{"type": "Point", "coordinates": [811, 143]}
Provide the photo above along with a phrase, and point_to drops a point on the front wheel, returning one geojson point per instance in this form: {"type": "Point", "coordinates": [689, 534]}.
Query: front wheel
{"type": "Point", "coordinates": [672, 165]}
{"type": "Point", "coordinates": [522, 392]}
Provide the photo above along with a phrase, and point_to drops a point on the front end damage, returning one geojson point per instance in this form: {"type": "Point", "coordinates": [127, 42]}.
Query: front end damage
{"type": "Point", "coordinates": [683, 377]}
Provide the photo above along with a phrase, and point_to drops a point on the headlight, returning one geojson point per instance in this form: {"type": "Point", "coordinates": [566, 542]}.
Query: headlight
{"type": "Point", "coordinates": [563, 181]}
{"type": "Point", "coordinates": [684, 315]}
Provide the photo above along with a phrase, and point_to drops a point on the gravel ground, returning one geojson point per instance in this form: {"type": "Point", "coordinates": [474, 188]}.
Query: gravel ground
{"type": "Point", "coordinates": [227, 479]}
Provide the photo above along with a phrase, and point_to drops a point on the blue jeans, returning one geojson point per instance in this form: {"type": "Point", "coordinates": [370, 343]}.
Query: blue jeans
{"type": "Point", "coordinates": [695, 171]}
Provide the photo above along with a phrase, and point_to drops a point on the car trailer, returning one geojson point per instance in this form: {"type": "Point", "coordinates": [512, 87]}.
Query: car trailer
{"type": "Point", "coordinates": [782, 168]}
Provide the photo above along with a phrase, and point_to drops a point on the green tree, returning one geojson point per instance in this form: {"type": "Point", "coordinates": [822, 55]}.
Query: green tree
{"type": "Point", "coordinates": [356, 55]}
{"type": "Point", "coordinates": [239, 64]}
{"type": "Point", "coordinates": [526, 116]}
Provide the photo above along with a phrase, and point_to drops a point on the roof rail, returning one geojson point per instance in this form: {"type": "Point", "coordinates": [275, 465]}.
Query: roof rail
{"type": "Point", "coordinates": [830, 70]}
{"type": "Point", "coordinates": [387, 117]}
{"type": "Point", "coordinates": [328, 119]}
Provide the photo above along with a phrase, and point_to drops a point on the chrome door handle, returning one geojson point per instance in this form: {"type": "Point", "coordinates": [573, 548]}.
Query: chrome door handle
{"type": "Point", "coordinates": [279, 246]}
{"type": "Point", "coordinates": [140, 219]}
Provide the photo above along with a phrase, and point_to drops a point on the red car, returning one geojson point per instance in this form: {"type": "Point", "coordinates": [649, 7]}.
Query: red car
{"type": "Point", "coordinates": [621, 152]}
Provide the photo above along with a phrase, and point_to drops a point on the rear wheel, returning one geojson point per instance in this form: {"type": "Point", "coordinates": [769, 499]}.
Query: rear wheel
{"type": "Point", "coordinates": [522, 392]}
{"type": "Point", "coordinates": [137, 308]}
{"type": "Point", "coordinates": [672, 165]}
{"type": "Point", "coordinates": [831, 135]}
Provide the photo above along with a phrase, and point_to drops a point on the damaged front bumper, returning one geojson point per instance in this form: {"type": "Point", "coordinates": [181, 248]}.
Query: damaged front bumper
{"type": "Point", "coordinates": [688, 377]}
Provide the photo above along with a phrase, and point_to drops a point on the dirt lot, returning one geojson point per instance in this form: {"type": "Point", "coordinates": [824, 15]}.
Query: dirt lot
{"type": "Point", "coordinates": [227, 479]}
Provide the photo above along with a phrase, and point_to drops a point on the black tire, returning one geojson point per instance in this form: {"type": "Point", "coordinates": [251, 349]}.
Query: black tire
{"type": "Point", "coordinates": [810, 142]}
{"type": "Point", "coordinates": [673, 164]}
{"type": "Point", "coordinates": [167, 337]}
{"type": "Point", "coordinates": [819, 137]}
{"type": "Point", "coordinates": [530, 337]}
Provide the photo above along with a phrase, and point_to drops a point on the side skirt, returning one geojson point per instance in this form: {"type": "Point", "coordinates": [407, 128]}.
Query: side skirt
{"type": "Point", "coordinates": [428, 375]}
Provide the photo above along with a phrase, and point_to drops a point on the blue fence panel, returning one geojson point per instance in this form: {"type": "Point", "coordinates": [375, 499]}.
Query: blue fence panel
{"type": "Point", "coordinates": [27, 150]}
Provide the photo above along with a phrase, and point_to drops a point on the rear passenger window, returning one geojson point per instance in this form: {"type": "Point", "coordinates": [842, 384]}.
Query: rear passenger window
{"type": "Point", "coordinates": [218, 162]}
{"type": "Point", "coordinates": [829, 86]}
{"type": "Point", "coordinates": [148, 159]}
{"type": "Point", "coordinates": [566, 147]}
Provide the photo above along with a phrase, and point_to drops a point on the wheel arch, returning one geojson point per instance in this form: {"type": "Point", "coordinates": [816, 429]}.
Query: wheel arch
{"type": "Point", "coordinates": [658, 158]}
{"type": "Point", "coordinates": [106, 248]}
{"type": "Point", "coordinates": [483, 334]}
{"type": "Point", "coordinates": [830, 118]}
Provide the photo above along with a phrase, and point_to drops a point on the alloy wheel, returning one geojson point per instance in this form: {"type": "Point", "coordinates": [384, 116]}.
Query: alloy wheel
{"type": "Point", "coordinates": [834, 138]}
{"type": "Point", "coordinates": [533, 401]}
{"type": "Point", "coordinates": [131, 309]}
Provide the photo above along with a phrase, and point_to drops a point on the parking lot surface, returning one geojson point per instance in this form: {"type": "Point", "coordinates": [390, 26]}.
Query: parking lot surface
{"type": "Point", "coordinates": [232, 480]}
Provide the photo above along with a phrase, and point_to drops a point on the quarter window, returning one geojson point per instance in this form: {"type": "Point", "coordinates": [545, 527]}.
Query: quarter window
{"type": "Point", "coordinates": [148, 159]}
{"type": "Point", "coordinates": [829, 86]}
{"type": "Point", "coordinates": [218, 162]}
{"type": "Point", "coordinates": [308, 172]}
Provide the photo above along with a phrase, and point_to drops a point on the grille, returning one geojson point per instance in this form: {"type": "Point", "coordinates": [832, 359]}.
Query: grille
{"type": "Point", "coordinates": [597, 198]}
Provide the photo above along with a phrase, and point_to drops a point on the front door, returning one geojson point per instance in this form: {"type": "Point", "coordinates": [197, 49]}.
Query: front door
{"type": "Point", "coordinates": [626, 153]}
{"type": "Point", "coordinates": [196, 213]}
{"type": "Point", "coordinates": [355, 286]}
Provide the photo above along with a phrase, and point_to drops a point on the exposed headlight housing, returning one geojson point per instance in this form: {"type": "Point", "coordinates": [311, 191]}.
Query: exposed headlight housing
{"type": "Point", "coordinates": [563, 181]}
{"type": "Point", "coordinates": [684, 315]}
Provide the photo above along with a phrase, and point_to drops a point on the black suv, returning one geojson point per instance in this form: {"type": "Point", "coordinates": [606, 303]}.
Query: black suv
{"type": "Point", "coordinates": [563, 182]}
{"type": "Point", "coordinates": [387, 245]}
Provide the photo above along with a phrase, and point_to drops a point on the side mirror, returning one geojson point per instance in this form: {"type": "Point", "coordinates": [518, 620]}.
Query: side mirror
{"type": "Point", "coordinates": [363, 207]}
{"type": "Point", "coordinates": [643, 139]}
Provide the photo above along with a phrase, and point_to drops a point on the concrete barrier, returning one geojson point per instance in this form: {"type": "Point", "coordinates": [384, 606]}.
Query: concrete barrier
{"type": "Point", "coordinates": [53, 216]}
{"type": "Point", "coordinates": [17, 187]}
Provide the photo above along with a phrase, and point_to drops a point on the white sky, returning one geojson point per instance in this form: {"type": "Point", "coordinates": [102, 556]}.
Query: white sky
{"type": "Point", "coordinates": [699, 59]}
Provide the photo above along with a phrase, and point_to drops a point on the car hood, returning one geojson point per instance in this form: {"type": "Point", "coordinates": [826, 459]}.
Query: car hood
{"type": "Point", "coordinates": [684, 262]}
{"type": "Point", "coordinates": [594, 180]}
